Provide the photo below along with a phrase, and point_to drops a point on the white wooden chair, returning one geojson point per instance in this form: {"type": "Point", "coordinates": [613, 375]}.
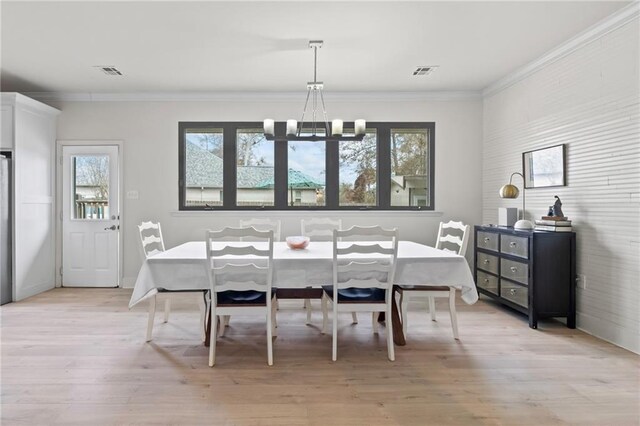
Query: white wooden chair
{"type": "Point", "coordinates": [363, 276]}
{"type": "Point", "coordinates": [152, 243]}
{"type": "Point", "coordinates": [320, 229]}
{"type": "Point", "coordinates": [241, 286]}
{"type": "Point", "coordinates": [263, 225]}
{"type": "Point", "coordinates": [445, 238]}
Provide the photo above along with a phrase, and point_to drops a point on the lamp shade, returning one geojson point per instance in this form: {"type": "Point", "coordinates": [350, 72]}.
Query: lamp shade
{"type": "Point", "coordinates": [509, 191]}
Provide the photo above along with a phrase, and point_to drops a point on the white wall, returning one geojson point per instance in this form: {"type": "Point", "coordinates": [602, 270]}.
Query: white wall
{"type": "Point", "coordinates": [150, 134]}
{"type": "Point", "coordinates": [589, 100]}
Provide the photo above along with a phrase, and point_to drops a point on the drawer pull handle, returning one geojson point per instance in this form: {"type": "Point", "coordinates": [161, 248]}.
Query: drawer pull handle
{"type": "Point", "coordinates": [512, 244]}
{"type": "Point", "coordinates": [512, 291]}
{"type": "Point", "coordinates": [487, 239]}
{"type": "Point", "coordinates": [514, 269]}
{"type": "Point", "coordinates": [486, 280]}
{"type": "Point", "coordinates": [486, 261]}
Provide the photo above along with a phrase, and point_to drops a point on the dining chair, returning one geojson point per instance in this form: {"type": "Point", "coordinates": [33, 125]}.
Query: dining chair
{"type": "Point", "coordinates": [263, 225]}
{"type": "Point", "coordinates": [320, 229]}
{"type": "Point", "coordinates": [242, 285]}
{"type": "Point", "coordinates": [451, 234]}
{"type": "Point", "coordinates": [152, 243]}
{"type": "Point", "coordinates": [363, 273]}
{"type": "Point", "coordinates": [260, 224]}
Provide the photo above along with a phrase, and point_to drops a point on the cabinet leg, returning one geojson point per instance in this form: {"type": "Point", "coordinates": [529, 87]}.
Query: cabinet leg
{"type": "Point", "coordinates": [533, 321]}
{"type": "Point", "coordinates": [571, 321]}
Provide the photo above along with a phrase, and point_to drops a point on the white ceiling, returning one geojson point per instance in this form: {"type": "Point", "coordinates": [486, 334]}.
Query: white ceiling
{"type": "Point", "coordinates": [262, 46]}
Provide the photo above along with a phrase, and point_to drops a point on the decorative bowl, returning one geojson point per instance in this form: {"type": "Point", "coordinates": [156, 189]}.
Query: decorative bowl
{"type": "Point", "coordinates": [297, 242]}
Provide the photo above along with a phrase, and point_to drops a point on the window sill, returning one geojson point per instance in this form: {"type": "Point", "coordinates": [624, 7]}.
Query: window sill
{"type": "Point", "coordinates": [310, 213]}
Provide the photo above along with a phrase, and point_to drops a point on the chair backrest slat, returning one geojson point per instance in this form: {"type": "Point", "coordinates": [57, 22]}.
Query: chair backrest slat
{"type": "Point", "coordinates": [262, 225]}
{"type": "Point", "coordinates": [373, 266]}
{"type": "Point", "coordinates": [319, 228]}
{"type": "Point", "coordinates": [151, 240]}
{"type": "Point", "coordinates": [245, 250]}
{"type": "Point", "coordinates": [365, 249]}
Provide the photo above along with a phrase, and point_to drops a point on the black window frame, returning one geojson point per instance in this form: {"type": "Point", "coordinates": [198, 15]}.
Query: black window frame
{"type": "Point", "coordinates": [332, 167]}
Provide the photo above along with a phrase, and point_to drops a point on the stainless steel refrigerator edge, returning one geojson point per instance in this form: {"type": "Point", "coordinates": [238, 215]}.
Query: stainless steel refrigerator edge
{"type": "Point", "coordinates": [6, 276]}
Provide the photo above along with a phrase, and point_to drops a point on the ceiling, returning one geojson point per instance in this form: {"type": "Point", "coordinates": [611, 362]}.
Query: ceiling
{"type": "Point", "coordinates": [262, 46]}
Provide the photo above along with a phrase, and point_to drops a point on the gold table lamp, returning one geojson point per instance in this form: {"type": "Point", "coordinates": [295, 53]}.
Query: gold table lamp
{"type": "Point", "coordinates": [511, 191]}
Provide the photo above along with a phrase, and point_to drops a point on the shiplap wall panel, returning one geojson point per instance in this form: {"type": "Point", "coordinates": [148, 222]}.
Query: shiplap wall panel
{"type": "Point", "coordinates": [590, 101]}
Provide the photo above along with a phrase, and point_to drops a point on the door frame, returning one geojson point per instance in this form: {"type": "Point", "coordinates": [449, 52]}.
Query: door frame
{"type": "Point", "coordinates": [58, 202]}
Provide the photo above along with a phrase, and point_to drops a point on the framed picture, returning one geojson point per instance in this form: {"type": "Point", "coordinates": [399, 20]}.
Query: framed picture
{"type": "Point", "coordinates": [544, 167]}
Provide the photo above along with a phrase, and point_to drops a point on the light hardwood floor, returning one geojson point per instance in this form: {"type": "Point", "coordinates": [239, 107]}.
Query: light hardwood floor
{"type": "Point", "coordinates": [78, 356]}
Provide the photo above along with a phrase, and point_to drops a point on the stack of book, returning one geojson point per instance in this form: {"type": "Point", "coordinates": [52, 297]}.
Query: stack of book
{"type": "Point", "coordinates": [553, 224]}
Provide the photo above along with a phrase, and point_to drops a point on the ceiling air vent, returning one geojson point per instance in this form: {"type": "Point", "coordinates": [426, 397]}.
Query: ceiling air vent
{"type": "Point", "coordinates": [109, 69]}
{"type": "Point", "coordinates": [425, 70]}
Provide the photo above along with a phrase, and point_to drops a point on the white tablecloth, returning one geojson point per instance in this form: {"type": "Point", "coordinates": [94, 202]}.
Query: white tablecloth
{"type": "Point", "coordinates": [184, 268]}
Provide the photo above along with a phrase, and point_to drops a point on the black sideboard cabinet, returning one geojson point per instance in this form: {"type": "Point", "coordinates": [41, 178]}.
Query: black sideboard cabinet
{"type": "Point", "coordinates": [533, 272]}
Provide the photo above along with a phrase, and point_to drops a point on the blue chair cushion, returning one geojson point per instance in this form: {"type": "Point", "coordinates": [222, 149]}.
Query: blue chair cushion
{"type": "Point", "coordinates": [239, 298]}
{"type": "Point", "coordinates": [356, 295]}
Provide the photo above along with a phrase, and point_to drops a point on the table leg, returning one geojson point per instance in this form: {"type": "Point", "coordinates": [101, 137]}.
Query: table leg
{"type": "Point", "coordinates": [396, 320]}
{"type": "Point", "coordinates": [207, 330]}
{"type": "Point", "coordinates": [398, 335]}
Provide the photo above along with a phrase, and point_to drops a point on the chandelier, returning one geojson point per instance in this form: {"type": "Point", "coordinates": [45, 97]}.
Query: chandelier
{"type": "Point", "coordinates": [314, 131]}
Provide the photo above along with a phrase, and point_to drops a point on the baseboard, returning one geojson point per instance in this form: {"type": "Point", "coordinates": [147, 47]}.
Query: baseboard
{"type": "Point", "coordinates": [610, 332]}
{"type": "Point", "coordinates": [24, 293]}
{"type": "Point", "coordinates": [128, 282]}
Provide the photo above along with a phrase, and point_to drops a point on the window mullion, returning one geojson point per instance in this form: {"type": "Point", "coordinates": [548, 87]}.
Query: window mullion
{"type": "Point", "coordinates": [229, 171]}
{"type": "Point", "coordinates": [384, 166]}
{"type": "Point", "coordinates": [332, 182]}
{"type": "Point", "coordinates": [280, 169]}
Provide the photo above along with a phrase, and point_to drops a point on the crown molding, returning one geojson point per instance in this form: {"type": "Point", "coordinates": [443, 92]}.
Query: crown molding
{"type": "Point", "coordinates": [27, 102]}
{"type": "Point", "coordinates": [252, 96]}
{"type": "Point", "coordinates": [610, 23]}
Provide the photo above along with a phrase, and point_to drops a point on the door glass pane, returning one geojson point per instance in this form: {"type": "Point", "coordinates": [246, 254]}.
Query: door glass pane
{"type": "Point", "coordinates": [204, 167]}
{"type": "Point", "coordinates": [358, 171]}
{"type": "Point", "coordinates": [90, 175]}
{"type": "Point", "coordinates": [255, 176]}
{"type": "Point", "coordinates": [307, 173]}
{"type": "Point", "coordinates": [409, 167]}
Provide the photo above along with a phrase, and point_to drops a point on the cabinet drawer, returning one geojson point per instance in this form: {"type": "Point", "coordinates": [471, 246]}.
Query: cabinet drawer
{"type": "Point", "coordinates": [488, 282]}
{"type": "Point", "coordinates": [516, 246]}
{"type": "Point", "coordinates": [513, 270]}
{"type": "Point", "coordinates": [514, 293]}
{"type": "Point", "coordinates": [487, 240]}
{"type": "Point", "coordinates": [488, 262]}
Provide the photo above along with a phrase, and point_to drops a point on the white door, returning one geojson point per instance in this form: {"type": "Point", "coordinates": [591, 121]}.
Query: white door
{"type": "Point", "coordinates": [90, 216]}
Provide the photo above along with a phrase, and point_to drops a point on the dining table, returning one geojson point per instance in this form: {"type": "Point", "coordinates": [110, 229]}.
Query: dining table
{"type": "Point", "coordinates": [184, 268]}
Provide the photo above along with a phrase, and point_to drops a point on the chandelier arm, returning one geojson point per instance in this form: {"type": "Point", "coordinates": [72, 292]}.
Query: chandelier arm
{"type": "Point", "coordinates": [315, 109]}
{"type": "Point", "coordinates": [324, 112]}
{"type": "Point", "coordinates": [304, 111]}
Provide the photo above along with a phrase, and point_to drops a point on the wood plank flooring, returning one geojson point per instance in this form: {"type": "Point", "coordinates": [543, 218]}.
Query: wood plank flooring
{"type": "Point", "coordinates": [78, 357]}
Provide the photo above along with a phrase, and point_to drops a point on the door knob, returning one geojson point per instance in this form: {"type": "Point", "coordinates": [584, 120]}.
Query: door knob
{"type": "Point", "coordinates": [112, 228]}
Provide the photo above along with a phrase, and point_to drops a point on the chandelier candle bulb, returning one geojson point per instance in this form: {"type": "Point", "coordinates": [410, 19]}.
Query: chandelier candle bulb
{"type": "Point", "coordinates": [360, 126]}
{"type": "Point", "coordinates": [336, 127]}
{"type": "Point", "coordinates": [269, 127]}
{"type": "Point", "coordinates": [292, 127]}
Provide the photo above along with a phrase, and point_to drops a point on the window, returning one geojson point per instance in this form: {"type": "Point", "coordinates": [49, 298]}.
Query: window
{"type": "Point", "coordinates": [409, 167]}
{"type": "Point", "coordinates": [91, 186]}
{"type": "Point", "coordinates": [204, 177]}
{"type": "Point", "coordinates": [358, 172]}
{"type": "Point", "coordinates": [254, 169]}
{"type": "Point", "coordinates": [231, 166]}
{"type": "Point", "coordinates": [306, 173]}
